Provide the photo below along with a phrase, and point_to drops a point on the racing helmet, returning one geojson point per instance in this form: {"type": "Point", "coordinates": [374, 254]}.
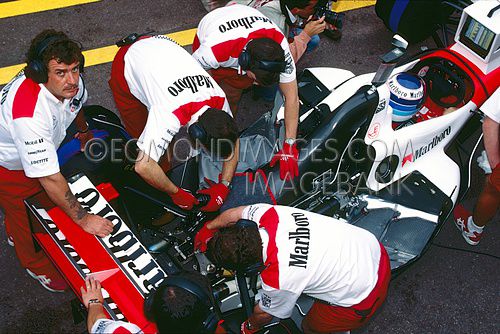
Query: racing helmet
{"type": "Point", "coordinates": [407, 95]}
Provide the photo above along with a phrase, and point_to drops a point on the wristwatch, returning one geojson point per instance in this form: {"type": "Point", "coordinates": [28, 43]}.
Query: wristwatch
{"type": "Point", "coordinates": [226, 183]}
{"type": "Point", "coordinates": [93, 301]}
{"type": "Point", "coordinates": [290, 141]}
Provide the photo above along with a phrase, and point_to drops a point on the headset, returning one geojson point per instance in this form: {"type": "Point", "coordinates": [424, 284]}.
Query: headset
{"type": "Point", "coordinates": [245, 60]}
{"type": "Point", "coordinates": [198, 133]}
{"type": "Point", "coordinates": [37, 69]}
{"type": "Point", "coordinates": [213, 313]}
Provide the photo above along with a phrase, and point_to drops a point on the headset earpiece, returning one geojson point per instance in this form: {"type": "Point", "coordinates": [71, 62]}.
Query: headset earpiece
{"type": "Point", "coordinates": [212, 318]}
{"type": "Point", "coordinates": [198, 133]}
{"type": "Point", "coordinates": [37, 69]}
{"type": "Point", "coordinates": [244, 60]}
{"type": "Point", "coordinates": [245, 223]}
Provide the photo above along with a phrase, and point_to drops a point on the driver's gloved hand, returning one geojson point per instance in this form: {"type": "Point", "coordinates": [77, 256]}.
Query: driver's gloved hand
{"type": "Point", "coordinates": [202, 238]}
{"type": "Point", "coordinates": [217, 192]}
{"type": "Point", "coordinates": [288, 157]}
{"type": "Point", "coordinates": [184, 199]}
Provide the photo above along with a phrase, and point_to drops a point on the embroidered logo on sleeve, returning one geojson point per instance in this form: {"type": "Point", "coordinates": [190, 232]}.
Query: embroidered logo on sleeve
{"type": "Point", "coordinates": [266, 301]}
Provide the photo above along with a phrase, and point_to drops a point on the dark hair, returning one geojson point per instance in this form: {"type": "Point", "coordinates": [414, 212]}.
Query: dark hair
{"type": "Point", "coordinates": [296, 3]}
{"type": "Point", "coordinates": [63, 49]}
{"type": "Point", "coordinates": [175, 310]}
{"type": "Point", "coordinates": [235, 247]}
{"type": "Point", "coordinates": [268, 50]}
{"type": "Point", "coordinates": [222, 130]}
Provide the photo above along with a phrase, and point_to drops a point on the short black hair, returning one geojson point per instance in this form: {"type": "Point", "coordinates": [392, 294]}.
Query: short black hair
{"type": "Point", "coordinates": [235, 247]}
{"type": "Point", "coordinates": [264, 49]}
{"type": "Point", "coordinates": [175, 310]}
{"type": "Point", "coordinates": [63, 49]}
{"type": "Point", "coordinates": [222, 130]}
{"type": "Point", "coordinates": [296, 3]}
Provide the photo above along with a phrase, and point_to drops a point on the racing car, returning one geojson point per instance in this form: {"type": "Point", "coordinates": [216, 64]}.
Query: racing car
{"type": "Point", "coordinates": [389, 151]}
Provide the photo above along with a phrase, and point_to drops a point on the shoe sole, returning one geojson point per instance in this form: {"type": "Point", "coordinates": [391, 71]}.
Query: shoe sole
{"type": "Point", "coordinates": [33, 275]}
{"type": "Point", "coordinates": [467, 240]}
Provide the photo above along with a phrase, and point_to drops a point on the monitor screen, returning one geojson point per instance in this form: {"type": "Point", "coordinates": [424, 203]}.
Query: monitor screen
{"type": "Point", "coordinates": [477, 37]}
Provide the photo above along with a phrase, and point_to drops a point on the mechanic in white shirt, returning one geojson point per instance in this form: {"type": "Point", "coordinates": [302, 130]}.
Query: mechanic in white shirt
{"type": "Point", "coordinates": [158, 88]}
{"type": "Point", "coordinates": [342, 266]}
{"type": "Point", "coordinates": [471, 224]}
{"type": "Point", "coordinates": [241, 46]}
{"type": "Point", "coordinates": [36, 108]}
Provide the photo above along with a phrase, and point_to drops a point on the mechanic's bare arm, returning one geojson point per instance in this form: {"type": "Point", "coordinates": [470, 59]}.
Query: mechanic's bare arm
{"type": "Point", "coordinates": [151, 172]}
{"type": "Point", "coordinates": [92, 291]}
{"type": "Point", "coordinates": [57, 189]}
{"type": "Point", "coordinates": [259, 318]}
{"type": "Point", "coordinates": [290, 91]}
{"type": "Point", "coordinates": [227, 218]}
{"type": "Point", "coordinates": [229, 166]}
{"type": "Point", "coordinates": [491, 131]}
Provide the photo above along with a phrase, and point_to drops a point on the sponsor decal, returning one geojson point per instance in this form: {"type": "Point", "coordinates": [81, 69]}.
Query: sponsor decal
{"type": "Point", "coordinates": [191, 82]}
{"type": "Point", "coordinates": [381, 106]}
{"type": "Point", "coordinates": [244, 22]}
{"type": "Point", "coordinates": [290, 65]}
{"type": "Point", "coordinates": [374, 131]}
{"type": "Point", "coordinates": [421, 151]}
{"type": "Point", "coordinates": [78, 262]}
{"type": "Point", "coordinates": [423, 71]}
{"type": "Point", "coordinates": [301, 236]}
{"type": "Point", "coordinates": [39, 161]}
{"type": "Point", "coordinates": [33, 142]}
{"type": "Point", "coordinates": [37, 151]}
{"type": "Point", "coordinates": [402, 94]}
{"type": "Point", "coordinates": [131, 255]}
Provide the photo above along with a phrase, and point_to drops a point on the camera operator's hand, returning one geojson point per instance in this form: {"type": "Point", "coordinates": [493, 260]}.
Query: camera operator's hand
{"type": "Point", "coordinates": [315, 27]}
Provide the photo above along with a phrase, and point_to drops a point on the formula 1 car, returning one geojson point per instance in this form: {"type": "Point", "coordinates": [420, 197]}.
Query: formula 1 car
{"type": "Point", "coordinates": [389, 152]}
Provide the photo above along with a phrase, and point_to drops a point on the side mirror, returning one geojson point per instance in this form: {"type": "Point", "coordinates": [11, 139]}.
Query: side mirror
{"type": "Point", "coordinates": [399, 42]}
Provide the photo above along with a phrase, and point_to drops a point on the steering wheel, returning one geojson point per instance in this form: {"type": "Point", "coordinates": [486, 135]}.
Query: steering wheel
{"type": "Point", "coordinates": [444, 85]}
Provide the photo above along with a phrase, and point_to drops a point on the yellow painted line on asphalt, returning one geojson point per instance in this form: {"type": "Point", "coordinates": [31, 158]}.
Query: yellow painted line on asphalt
{"type": "Point", "coordinates": [22, 7]}
{"type": "Point", "coordinates": [345, 5]}
{"type": "Point", "coordinates": [185, 37]}
{"type": "Point", "coordinates": [99, 55]}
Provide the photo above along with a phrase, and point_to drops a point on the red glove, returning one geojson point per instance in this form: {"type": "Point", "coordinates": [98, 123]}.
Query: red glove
{"type": "Point", "coordinates": [217, 192]}
{"type": "Point", "coordinates": [202, 238]}
{"type": "Point", "coordinates": [244, 329]}
{"type": "Point", "coordinates": [287, 157]}
{"type": "Point", "coordinates": [183, 199]}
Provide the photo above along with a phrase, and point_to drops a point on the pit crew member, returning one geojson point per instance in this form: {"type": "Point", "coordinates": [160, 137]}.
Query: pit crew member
{"type": "Point", "coordinates": [472, 224]}
{"type": "Point", "coordinates": [241, 46]}
{"type": "Point", "coordinates": [342, 266]}
{"type": "Point", "coordinates": [36, 108]}
{"type": "Point", "coordinates": [158, 88]}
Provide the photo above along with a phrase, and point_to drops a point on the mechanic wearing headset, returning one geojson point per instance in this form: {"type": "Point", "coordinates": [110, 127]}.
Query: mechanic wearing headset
{"type": "Point", "coordinates": [242, 46]}
{"type": "Point", "coordinates": [179, 307]}
{"type": "Point", "coordinates": [300, 39]}
{"type": "Point", "coordinates": [472, 224]}
{"type": "Point", "coordinates": [343, 267]}
{"type": "Point", "coordinates": [36, 108]}
{"type": "Point", "coordinates": [158, 88]}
